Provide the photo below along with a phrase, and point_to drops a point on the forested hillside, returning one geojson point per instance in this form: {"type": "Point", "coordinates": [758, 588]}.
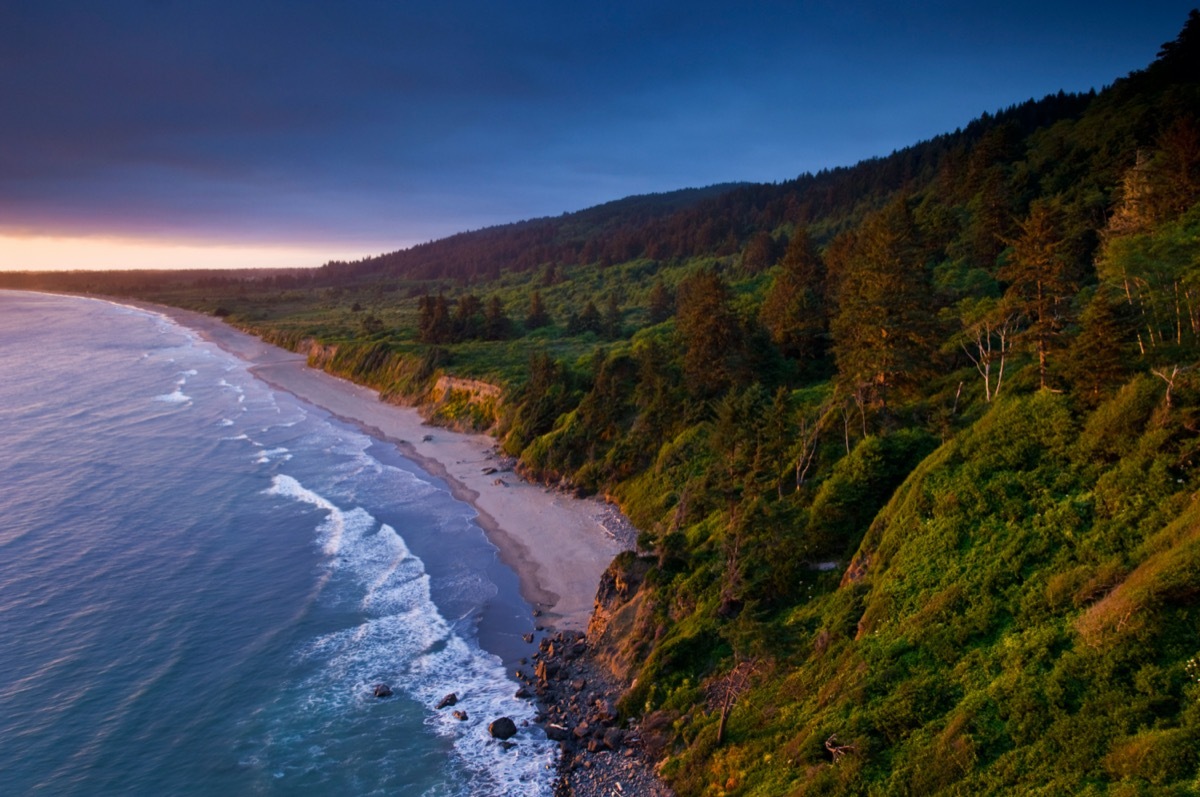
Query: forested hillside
{"type": "Point", "coordinates": [912, 443]}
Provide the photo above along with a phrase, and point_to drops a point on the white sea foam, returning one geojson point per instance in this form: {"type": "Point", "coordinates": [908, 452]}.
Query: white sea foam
{"type": "Point", "coordinates": [177, 397]}
{"type": "Point", "coordinates": [404, 640]}
{"type": "Point", "coordinates": [226, 422]}
{"type": "Point", "coordinates": [272, 455]}
{"type": "Point", "coordinates": [329, 532]}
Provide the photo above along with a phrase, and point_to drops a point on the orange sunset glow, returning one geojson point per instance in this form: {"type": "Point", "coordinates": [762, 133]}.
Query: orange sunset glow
{"type": "Point", "coordinates": [38, 253]}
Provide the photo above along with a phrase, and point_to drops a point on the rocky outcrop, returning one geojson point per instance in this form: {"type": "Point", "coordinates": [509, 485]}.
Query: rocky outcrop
{"type": "Point", "coordinates": [503, 728]}
{"type": "Point", "coordinates": [600, 752]}
{"type": "Point", "coordinates": [618, 585]}
{"type": "Point", "coordinates": [622, 617]}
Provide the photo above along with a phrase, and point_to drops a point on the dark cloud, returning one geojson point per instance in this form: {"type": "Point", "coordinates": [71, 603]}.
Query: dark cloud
{"type": "Point", "coordinates": [401, 121]}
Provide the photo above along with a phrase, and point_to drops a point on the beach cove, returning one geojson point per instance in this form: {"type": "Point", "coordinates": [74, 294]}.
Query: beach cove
{"type": "Point", "coordinates": [557, 544]}
{"type": "Point", "coordinates": [279, 542]}
{"type": "Point", "coordinates": [204, 579]}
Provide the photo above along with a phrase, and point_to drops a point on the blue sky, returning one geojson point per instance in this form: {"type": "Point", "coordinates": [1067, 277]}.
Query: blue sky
{"type": "Point", "coordinates": [352, 128]}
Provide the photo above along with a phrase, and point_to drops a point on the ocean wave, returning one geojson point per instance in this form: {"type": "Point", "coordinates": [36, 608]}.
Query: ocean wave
{"type": "Point", "coordinates": [176, 397]}
{"type": "Point", "coordinates": [401, 638]}
{"type": "Point", "coordinates": [271, 455]}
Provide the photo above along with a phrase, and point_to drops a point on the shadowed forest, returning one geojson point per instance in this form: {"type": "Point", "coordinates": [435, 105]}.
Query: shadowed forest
{"type": "Point", "coordinates": [911, 442]}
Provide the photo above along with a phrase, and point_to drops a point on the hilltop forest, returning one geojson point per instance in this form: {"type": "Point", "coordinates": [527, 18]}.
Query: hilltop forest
{"type": "Point", "coordinates": [911, 443]}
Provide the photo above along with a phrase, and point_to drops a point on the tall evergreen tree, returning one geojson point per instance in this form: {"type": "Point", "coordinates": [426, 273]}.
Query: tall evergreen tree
{"type": "Point", "coordinates": [433, 319]}
{"type": "Point", "coordinates": [882, 328]}
{"type": "Point", "coordinates": [710, 334]}
{"type": "Point", "coordinates": [658, 393]}
{"type": "Point", "coordinates": [1040, 285]}
{"type": "Point", "coordinates": [587, 321]}
{"type": "Point", "coordinates": [662, 303]}
{"type": "Point", "coordinates": [1096, 364]}
{"type": "Point", "coordinates": [794, 311]}
{"type": "Point", "coordinates": [537, 316]}
{"type": "Point", "coordinates": [610, 322]}
{"type": "Point", "coordinates": [496, 324]}
{"type": "Point", "coordinates": [760, 253]}
{"type": "Point", "coordinates": [468, 318]}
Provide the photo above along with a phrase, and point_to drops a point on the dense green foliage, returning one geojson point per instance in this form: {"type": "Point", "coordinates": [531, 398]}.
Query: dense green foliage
{"type": "Point", "coordinates": [912, 443]}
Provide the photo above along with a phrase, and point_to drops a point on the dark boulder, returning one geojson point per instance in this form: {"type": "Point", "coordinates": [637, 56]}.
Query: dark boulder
{"type": "Point", "coordinates": [448, 700]}
{"type": "Point", "coordinates": [503, 728]}
{"type": "Point", "coordinates": [460, 715]}
{"type": "Point", "coordinates": [383, 690]}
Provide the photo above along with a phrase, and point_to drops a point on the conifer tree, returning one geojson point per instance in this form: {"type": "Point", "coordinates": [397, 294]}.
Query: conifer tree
{"type": "Point", "coordinates": [658, 392]}
{"type": "Point", "coordinates": [710, 334]}
{"type": "Point", "coordinates": [759, 254]}
{"type": "Point", "coordinates": [662, 303]}
{"type": "Point", "coordinates": [433, 319]}
{"type": "Point", "coordinates": [496, 323]}
{"type": "Point", "coordinates": [1096, 362]}
{"type": "Point", "coordinates": [588, 321]}
{"type": "Point", "coordinates": [1040, 283]}
{"type": "Point", "coordinates": [537, 316]}
{"type": "Point", "coordinates": [882, 326]}
{"type": "Point", "coordinates": [610, 323]}
{"type": "Point", "coordinates": [794, 311]}
{"type": "Point", "coordinates": [1176, 176]}
{"type": "Point", "coordinates": [468, 318]}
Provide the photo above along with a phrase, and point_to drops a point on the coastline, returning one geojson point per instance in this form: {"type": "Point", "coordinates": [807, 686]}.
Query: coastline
{"type": "Point", "coordinates": [558, 545]}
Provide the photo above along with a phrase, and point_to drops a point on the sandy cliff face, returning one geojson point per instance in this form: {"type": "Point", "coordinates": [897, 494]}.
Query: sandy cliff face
{"type": "Point", "coordinates": [622, 618]}
{"type": "Point", "coordinates": [465, 405]}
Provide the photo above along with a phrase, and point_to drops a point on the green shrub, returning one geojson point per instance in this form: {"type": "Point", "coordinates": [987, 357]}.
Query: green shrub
{"type": "Point", "coordinates": [859, 485]}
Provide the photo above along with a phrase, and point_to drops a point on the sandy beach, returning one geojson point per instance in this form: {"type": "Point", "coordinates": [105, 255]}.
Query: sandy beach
{"type": "Point", "coordinates": [558, 545]}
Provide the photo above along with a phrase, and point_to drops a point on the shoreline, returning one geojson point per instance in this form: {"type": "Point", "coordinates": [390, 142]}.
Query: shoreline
{"type": "Point", "coordinates": [558, 545]}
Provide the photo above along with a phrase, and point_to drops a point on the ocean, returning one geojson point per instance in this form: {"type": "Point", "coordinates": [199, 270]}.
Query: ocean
{"type": "Point", "coordinates": [202, 579]}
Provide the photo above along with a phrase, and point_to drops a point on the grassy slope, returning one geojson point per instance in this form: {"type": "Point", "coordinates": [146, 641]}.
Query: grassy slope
{"type": "Point", "coordinates": [1020, 618]}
